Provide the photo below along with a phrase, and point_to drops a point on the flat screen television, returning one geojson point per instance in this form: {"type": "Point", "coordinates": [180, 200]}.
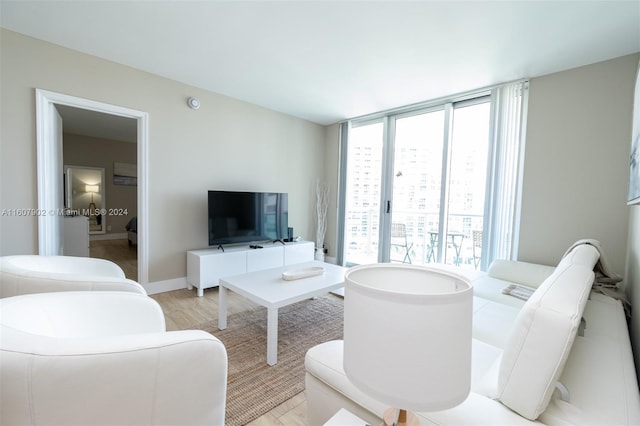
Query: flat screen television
{"type": "Point", "coordinates": [240, 217]}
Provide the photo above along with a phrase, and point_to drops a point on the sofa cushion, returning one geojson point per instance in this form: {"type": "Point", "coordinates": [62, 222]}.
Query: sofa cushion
{"type": "Point", "coordinates": [541, 338]}
{"type": "Point", "coordinates": [523, 273]}
{"type": "Point", "coordinates": [491, 289]}
{"type": "Point", "coordinates": [502, 274]}
{"type": "Point", "coordinates": [492, 321]}
{"type": "Point", "coordinates": [599, 374]}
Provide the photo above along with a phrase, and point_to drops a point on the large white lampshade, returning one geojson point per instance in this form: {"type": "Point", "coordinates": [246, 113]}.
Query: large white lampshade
{"type": "Point", "coordinates": [407, 335]}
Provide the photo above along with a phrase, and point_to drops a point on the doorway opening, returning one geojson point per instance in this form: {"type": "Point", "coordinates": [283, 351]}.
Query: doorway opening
{"type": "Point", "coordinates": [50, 166]}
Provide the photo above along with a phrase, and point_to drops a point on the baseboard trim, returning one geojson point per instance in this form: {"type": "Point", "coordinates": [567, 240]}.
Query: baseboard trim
{"type": "Point", "coordinates": [165, 285]}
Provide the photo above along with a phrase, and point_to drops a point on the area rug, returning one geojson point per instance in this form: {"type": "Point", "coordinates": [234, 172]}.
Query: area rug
{"type": "Point", "coordinates": [253, 387]}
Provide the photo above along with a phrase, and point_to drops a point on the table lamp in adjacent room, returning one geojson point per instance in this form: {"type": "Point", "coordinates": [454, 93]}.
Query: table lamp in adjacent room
{"type": "Point", "coordinates": [407, 337]}
{"type": "Point", "coordinates": [92, 189]}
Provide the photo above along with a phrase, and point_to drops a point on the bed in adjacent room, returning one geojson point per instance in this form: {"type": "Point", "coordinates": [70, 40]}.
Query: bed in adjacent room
{"type": "Point", "coordinates": [132, 231]}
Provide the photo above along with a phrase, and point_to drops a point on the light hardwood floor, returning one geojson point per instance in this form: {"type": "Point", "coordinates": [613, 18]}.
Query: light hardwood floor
{"type": "Point", "coordinates": [118, 251]}
{"type": "Point", "coordinates": [183, 310]}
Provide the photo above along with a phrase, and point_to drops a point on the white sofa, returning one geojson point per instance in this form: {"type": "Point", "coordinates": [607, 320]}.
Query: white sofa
{"type": "Point", "coordinates": [28, 274]}
{"type": "Point", "coordinates": [104, 358]}
{"type": "Point", "coordinates": [563, 357]}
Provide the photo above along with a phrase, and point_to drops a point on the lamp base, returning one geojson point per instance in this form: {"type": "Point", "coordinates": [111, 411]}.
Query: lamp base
{"type": "Point", "coordinates": [404, 418]}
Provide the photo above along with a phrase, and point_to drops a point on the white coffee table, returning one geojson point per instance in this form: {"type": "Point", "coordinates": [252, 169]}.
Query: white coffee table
{"type": "Point", "coordinates": [268, 289]}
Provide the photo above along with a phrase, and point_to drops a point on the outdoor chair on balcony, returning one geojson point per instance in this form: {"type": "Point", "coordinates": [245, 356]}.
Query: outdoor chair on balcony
{"type": "Point", "coordinates": [453, 241]}
{"type": "Point", "coordinates": [399, 239]}
{"type": "Point", "coordinates": [477, 247]}
{"type": "Point", "coordinates": [432, 247]}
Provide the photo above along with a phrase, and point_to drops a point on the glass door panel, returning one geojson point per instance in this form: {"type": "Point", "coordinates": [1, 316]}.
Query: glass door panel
{"type": "Point", "coordinates": [363, 187]}
{"type": "Point", "coordinates": [467, 184]}
{"type": "Point", "coordinates": [431, 166]}
{"type": "Point", "coordinates": [417, 176]}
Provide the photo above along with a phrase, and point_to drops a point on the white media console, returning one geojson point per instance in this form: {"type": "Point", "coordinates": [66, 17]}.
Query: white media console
{"type": "Point", "coordinates": [206, 266]}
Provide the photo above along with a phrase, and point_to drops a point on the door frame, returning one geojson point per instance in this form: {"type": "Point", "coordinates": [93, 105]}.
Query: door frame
{"type": "Point", "coordinates": [47, 169]}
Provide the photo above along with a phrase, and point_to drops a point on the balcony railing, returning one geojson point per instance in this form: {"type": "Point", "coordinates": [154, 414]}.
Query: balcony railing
{"type": "Point", "coordinates": [462, 245]}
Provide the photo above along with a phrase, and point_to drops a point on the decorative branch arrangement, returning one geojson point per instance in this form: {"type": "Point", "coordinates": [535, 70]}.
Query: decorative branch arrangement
{"type": "Point", "coordinates": [322, 203]}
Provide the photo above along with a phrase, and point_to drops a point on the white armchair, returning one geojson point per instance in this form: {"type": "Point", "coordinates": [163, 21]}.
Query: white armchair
{"type": "Point", "coordinates": [28, 274]}
{"type": "Point", "coordinates": [88, 358]}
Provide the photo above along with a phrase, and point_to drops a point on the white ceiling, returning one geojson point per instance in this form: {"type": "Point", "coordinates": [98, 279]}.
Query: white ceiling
{"type": "Point", "coordinates": [96, 124]}
{"type": "Point", "coordinates": [326, 61]}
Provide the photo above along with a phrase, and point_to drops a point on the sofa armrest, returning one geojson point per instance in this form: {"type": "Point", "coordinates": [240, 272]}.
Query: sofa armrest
{"type": "Point", "coordinates": [90, 266]}
{"type": "Point", "coordinates": [523, 273]}
{"type": "Point", "coordinates": [158, 378]}
{"type": "Point", "coordinates": [30, 265]}
{"type": "Point", "coordinates": [28, 274]}
{"type": "Point", "coordinates": [41, 282]}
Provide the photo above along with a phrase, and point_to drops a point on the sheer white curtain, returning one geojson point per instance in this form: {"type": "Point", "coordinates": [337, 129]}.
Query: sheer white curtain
{"type": "Point", "coordinates": [502, 220]}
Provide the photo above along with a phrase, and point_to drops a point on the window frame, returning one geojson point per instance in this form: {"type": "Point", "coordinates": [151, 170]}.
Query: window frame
{"type": "Point", "coordinates": [388, 118]}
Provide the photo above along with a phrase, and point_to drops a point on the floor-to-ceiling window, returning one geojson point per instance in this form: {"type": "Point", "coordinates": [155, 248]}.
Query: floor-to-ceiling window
{"type": "Point", "coordinates": [418, 184]}
{"type": "Point", "coordinates": [362, 218]}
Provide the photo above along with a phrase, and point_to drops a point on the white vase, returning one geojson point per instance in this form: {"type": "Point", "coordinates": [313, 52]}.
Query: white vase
{"type": "Point", "coordinates": [319, 255]}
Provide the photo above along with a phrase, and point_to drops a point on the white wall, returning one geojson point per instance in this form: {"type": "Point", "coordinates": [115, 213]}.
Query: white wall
{"type": "Point", "coordinates": [226, 144]}
{"type": "Point", "coordinates": [632, 274]}
{"type": "Point", "coordinates": [632, 281]}
{"type": "Point", "coordinates": [577, 161]}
